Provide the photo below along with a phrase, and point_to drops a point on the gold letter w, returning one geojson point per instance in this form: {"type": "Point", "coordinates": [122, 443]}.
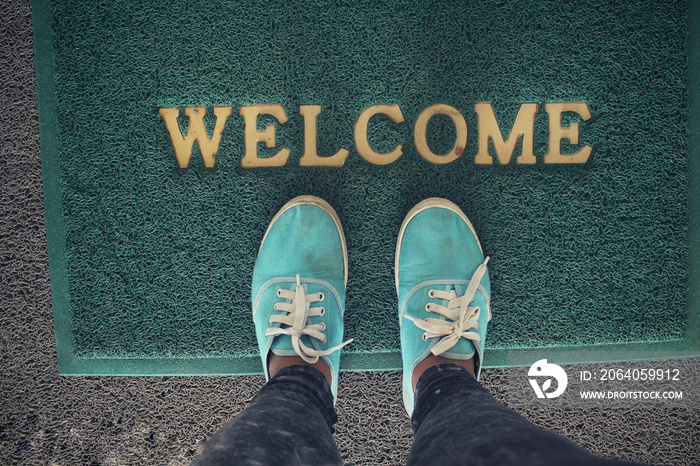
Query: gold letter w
{"type": "Point", "coordinates": [195, 131]}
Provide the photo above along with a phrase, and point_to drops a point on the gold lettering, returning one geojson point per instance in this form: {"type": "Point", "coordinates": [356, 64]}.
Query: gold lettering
{"type": "Point", "coordinates": [524, 127]}
{"type": "Point", "coordinates": [253, 136]}
{"type": "Point", "coordinates": [361, 142]}
{"type": "Point", "coordinates": [311, 157]}
{"type": "Point", "coordinates": [421, 129]}
{"type": "Point", "coordinates": [557, 133]}
{"type": "Point", "coordinates": [195, 131]}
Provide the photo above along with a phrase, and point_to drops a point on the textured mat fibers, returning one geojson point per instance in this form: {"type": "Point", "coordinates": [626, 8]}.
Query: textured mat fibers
{"type": "Point", "coordinates": [151, 263]}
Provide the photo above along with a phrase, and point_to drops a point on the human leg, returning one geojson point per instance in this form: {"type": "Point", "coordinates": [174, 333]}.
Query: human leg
{"type": "Point", "coordinates": [290, 421]}
{"type": "Point", "coordinates": [457, 421]}
{"type": "Point", "coordinates": [443, 286]}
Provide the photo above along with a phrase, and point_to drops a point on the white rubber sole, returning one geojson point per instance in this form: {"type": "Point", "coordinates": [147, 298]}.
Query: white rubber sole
{"type": "Point", "coordinates": [421, 206]}
{"type": "Point", "coordinates": [318, 202]}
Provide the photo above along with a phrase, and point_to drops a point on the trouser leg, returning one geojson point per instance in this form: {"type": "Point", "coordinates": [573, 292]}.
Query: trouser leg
{"type": "Point", "coordinates": [291, 421]}
{"type": "Point", "coordinates": [456, 421]}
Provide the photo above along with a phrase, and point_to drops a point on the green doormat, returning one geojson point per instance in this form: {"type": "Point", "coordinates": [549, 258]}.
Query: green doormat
{"type": "Point", "coordinates": [173, 131]}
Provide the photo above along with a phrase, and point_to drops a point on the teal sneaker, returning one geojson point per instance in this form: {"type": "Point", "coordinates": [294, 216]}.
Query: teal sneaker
{"type": "Point", "coordinates": [443, 287]}
{"type": "Point", "coordinates": [299, 285]}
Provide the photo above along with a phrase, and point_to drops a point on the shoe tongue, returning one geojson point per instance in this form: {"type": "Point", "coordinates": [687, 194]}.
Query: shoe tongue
{"type": "Point", "coordinates": [464, 349]}
{"type": "Point", "coordinates": [282, 345]}
{"type": "Point", "coordinates": [458, 289]}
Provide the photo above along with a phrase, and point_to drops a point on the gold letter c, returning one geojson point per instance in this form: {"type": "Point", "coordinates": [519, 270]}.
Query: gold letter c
{"type": "Point", "coordinates": [361, 142]}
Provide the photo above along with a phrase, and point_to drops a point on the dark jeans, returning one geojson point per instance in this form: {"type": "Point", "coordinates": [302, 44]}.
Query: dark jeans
{"type": "Point", "coordinates": [455, 421]}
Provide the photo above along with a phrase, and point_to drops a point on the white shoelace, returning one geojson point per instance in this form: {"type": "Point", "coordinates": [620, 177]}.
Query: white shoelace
{"type": "Point", "coordinates": [461, 317]}
{"type": "Point", "coordinates": [298, 309]}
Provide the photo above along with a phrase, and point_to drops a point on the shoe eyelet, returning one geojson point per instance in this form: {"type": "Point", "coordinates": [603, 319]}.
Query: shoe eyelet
{"type": "Point", "coordinates": [323, 327]}
{"type": "Point", "coordinates": [431, 293]}
{"type": "Point", "coordinates": [323, 311]}
{"type": "Point", "coordinates": [322, 297]}
{"type": "Point", "coordinates": [427, 307]}
{"type": "Point", "coordinates": [424, 337]}
{"type": "Point", "coordinates": [279, 293]}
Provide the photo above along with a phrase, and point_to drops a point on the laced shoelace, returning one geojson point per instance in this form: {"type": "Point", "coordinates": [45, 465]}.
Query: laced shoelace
{"type": "Point", "coordinates": [461, 317]}
{"type": "Point", "coordinates": [297, 312]}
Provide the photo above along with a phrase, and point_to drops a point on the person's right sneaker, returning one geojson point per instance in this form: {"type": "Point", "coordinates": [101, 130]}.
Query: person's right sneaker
{"type": "Point", "coordinates": [443, 288]}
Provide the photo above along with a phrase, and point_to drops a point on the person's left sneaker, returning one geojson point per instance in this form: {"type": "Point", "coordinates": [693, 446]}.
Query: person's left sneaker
{"type": "Point", "coordinates": [299, 285]}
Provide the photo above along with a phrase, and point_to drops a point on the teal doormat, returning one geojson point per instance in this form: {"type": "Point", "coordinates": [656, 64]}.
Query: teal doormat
{"type": "Point", "coordinates": [567, 132]}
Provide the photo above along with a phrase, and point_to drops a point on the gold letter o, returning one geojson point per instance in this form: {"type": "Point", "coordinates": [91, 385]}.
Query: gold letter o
{"type": "Point", "coordinates": [421, 129]}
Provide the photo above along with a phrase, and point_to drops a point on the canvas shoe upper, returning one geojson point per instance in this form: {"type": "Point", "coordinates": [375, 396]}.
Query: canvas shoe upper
{"type": "Point", "coordinates": [299, 282]}
{"type": "Point", "coordinates": [443, 287]}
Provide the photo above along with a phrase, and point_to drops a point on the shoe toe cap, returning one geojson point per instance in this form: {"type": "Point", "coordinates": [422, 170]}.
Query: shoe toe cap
{"type": "Point", "coordinates": [437, 244]}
